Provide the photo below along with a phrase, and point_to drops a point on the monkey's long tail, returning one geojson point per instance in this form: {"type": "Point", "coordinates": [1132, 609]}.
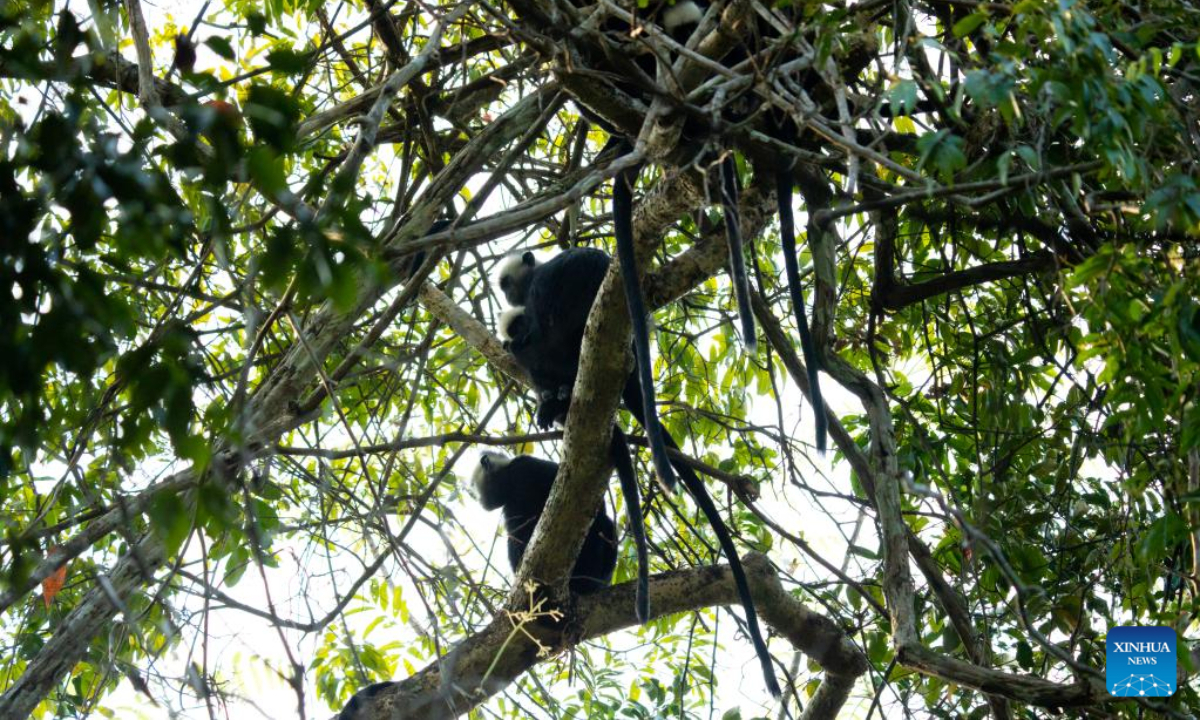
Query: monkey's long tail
{"type": "Point", "coordinates": [737, 255]}
{"type": "Point", "coordinates": [787, 231]}
{"type": "Point", "coordinates": [623, 229]}
{"type": "Point", "coordinates": [623, 461]}
{"type": "Point", "coordinates": [699, 493]}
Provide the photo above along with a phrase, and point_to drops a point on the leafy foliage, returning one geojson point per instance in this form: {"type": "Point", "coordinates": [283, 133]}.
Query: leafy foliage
{"type": "Point", "coordinates": [209, 343]}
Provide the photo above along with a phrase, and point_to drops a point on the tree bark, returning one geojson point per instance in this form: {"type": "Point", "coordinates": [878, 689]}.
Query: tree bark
{"type": "Point", "coordinates": [489, 660]}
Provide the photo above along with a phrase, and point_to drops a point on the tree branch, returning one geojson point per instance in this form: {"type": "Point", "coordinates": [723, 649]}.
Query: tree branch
{"type": "Point", "coordinates": [889, 294]}
{"type": "Point", "coordinates": [147, 92]}
{"type": "Point", "coordinates": [486, 662]}
{"type": "Point", "coordinates": [106, 70]}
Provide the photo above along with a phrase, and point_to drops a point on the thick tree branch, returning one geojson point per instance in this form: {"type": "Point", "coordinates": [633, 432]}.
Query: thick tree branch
{"type": "Point", "coordinates": [106, 70]}
{"type": "Point", "coordinates": [578, 490]}
{"type": "Point", "coordinates": [486, 662]}
{"type": "Point", "coordinates": [891, 295]}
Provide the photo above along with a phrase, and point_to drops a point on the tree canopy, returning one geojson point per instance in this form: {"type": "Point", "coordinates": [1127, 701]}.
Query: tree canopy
{"type": "Point", "coordinates": [242, 382]}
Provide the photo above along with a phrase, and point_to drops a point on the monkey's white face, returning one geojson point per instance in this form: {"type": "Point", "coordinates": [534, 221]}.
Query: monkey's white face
{"type": "Point", "coordinates": [683, 12]}
{"type": "Point", "coordinates": [511, 278]}
{"type": "Point", "coordinates": [505, 323]}
{"type": "Point", "coordinates": [489, 462]}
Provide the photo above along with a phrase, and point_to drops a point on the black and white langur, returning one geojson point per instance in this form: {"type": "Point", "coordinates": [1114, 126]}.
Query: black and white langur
{"type": "Point", "coordinates": [546, 338]}
{"type": "Point", "coordinates": [520, 486]}
{"type": "Point", "coordinates": [679, 18]}
{"type": "Point", "coordinates": [526, 282]}
{"type": "Point", "coordinates": [544, 331]}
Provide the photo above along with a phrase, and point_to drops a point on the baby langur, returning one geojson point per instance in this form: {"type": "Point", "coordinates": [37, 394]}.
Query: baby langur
{"type": "Point", "coordinates": [520, 486]}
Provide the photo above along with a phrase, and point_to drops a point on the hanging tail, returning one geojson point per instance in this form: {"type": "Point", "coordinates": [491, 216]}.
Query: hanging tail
{"type": "Point", "coordinates": [623, 461]}
{"type": "Point", "coordinates": [787, 230]}
{"type": "Point", "coordinates": [737, 255]}
{"type": "Point", "coordinates": [696, 488]}
{"type": "Point", "coordinates": [623, 229]}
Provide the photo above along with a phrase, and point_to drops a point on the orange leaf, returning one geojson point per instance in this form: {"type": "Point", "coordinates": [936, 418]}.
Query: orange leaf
{"type": "Point", "coordinates": [52, 584]}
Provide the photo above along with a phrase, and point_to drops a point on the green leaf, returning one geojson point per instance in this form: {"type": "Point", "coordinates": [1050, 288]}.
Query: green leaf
{"type": "Point", "coordinates": [1164, 532]}
{"type": "Point", "coordinates": [969, 24]}
{"type": "Point", "coordinates": [257, 22]}
{"type": "Point", "coordinates": [344, 288]}
{"type": "Point", "coordinates": [221, 46]}
{"type": "Point", "coordinates": [1027, 7]}
{"type": "Point", "coordinates": [266, 170]}
{"type": "Point", "coordinates": [273, 115]}
{"type": "Point", "coordinates": [170, 520]}
{"type": "Point", "coordinates": [944, 150]}
{"type": "Point", "coordinates": [1024, 655]}
{"type": "Point", "coordinates": [286, 61]}
{"type": "Point", "coordinates": [903, 97]}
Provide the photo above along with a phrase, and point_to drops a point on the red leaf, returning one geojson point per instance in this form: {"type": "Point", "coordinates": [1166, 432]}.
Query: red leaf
{"type": "Point", "coordinates": [52, 584]}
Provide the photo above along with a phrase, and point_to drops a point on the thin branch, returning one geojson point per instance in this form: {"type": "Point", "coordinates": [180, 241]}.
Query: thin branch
{"type": "Point", "coordinates": [147, 92]}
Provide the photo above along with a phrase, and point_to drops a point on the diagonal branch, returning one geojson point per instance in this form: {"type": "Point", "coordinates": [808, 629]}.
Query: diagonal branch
{"type": "Point", "coordinates": [73, 636]}
{"type": "Point", "coordinates": [369, 129]}
{"type": "Point", "coordinates": [486, 662]}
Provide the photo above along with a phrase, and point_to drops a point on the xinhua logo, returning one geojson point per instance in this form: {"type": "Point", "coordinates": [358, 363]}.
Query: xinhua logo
{"type": "Point", "coordinates": [1140, 661]}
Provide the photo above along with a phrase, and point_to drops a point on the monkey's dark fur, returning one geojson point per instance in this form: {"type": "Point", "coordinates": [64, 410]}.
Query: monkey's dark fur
{"type": "Point", "coordinates": [547, 334]}
{"type": "Point", "coordinates": [520, 486]}
{"type": "Point", "coordinates": [680, 19]}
